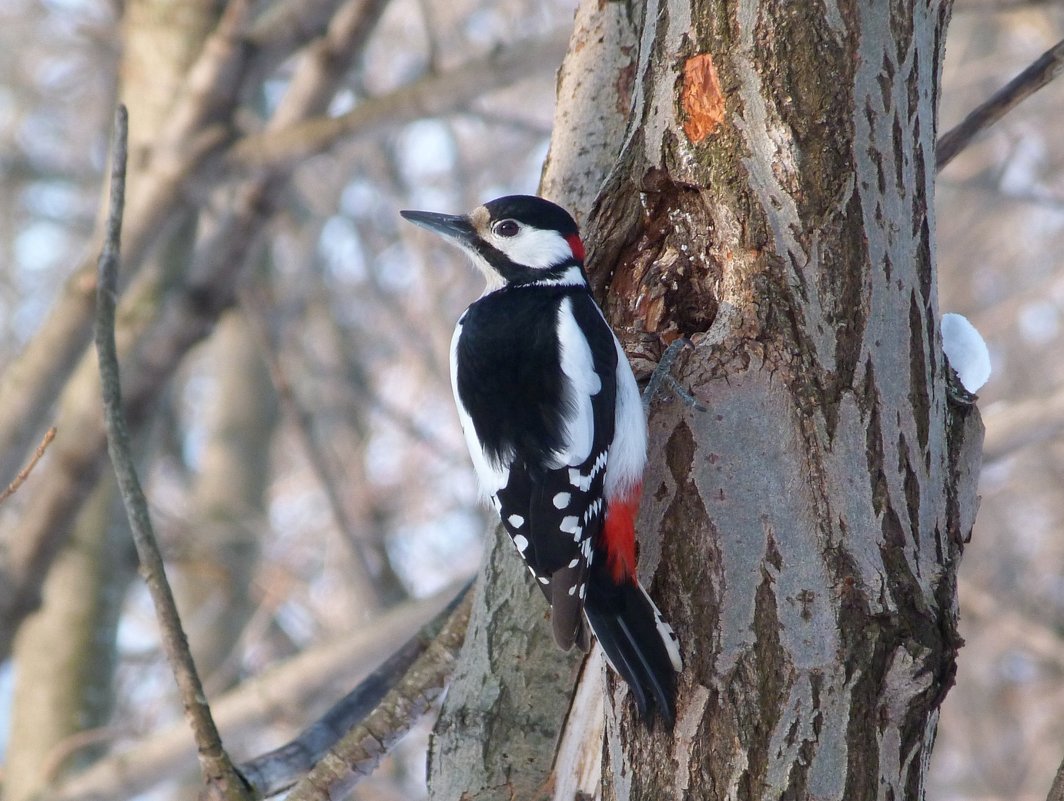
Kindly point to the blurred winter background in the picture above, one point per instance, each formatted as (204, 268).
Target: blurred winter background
(306, 469)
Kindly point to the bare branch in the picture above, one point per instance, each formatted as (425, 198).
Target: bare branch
(363, 747)
(283, 28)
(433, 95)
(216, 766)
(161, 339)
(303, 427)
(1014, 425)
(280, 769)
(24, 473)
(291, 691)
(196, 127)
(326, 61)
(1040, 73)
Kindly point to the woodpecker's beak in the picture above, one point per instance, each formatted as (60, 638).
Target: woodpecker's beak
(452, 226)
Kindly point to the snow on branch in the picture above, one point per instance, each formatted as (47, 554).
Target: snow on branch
(966, 351)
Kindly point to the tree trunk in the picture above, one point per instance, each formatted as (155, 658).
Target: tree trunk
(65, 655)
(804, 512)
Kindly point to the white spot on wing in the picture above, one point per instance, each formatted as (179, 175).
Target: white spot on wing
(521, 543)
(516, 521)
(561, 500)
(569, 523)
(579, 480)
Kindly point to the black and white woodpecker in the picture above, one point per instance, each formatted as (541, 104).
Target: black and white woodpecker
(555, 428)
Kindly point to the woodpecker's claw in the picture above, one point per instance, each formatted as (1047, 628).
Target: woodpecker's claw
(663, 373)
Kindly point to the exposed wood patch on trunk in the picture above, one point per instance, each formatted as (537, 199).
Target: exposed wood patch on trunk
(702, 98)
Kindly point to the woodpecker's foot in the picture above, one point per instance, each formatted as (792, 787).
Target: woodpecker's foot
(663, 375)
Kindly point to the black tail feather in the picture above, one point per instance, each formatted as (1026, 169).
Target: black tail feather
(627, 625)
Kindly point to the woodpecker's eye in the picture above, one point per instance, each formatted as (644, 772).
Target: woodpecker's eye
(506, 228)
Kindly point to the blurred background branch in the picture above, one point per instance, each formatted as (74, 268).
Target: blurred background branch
(1036, 76)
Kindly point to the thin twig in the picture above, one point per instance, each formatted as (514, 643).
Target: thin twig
(279, 769)
(1041, 72)
(363, 747)
(24, 473)
(218, 771)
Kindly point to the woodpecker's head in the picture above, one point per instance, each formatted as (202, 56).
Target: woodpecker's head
(518, 239)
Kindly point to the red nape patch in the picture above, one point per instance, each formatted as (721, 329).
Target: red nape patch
(619, 534)
(576, 246)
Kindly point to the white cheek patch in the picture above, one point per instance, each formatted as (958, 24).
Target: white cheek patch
(533, 247)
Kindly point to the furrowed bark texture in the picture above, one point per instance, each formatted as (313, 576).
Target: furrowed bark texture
(496, 734)
(803, 528)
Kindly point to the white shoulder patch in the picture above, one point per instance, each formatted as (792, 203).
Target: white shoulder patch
(580, 383)
(493, 476)
(628, 452)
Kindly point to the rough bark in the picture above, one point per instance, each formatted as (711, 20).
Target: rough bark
(499, 725)
(811, 517)
(803, 519)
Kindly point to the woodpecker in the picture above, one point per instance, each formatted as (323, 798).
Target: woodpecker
(554, 425)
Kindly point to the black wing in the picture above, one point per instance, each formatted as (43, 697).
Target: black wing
(520, 378)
